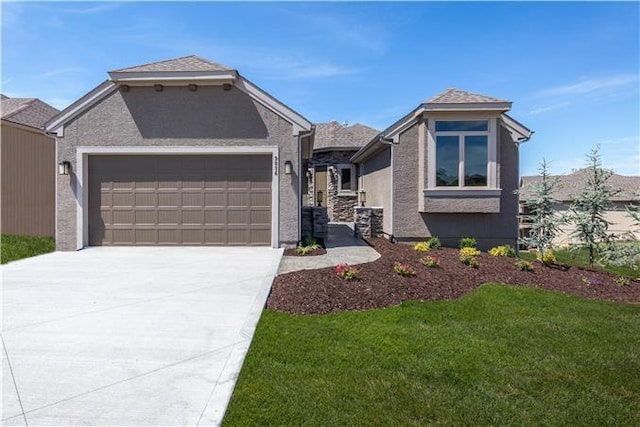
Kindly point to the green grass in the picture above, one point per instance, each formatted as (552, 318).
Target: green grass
(17, 247)
(501, 355)
(580, 258)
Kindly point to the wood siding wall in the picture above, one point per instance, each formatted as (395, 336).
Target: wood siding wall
(28, 168)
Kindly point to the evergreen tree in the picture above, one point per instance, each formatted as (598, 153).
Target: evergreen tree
(588, 209)
(545, 221)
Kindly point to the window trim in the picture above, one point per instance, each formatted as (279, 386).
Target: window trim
(354, 179)
(491, 133)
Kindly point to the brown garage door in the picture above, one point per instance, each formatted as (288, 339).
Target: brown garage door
(180, 200)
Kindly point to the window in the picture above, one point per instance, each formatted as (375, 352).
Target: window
(462, 153)
(347, 182)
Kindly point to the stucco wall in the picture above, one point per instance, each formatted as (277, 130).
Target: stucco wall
(177, 117)
(487, 229)
(376, 181)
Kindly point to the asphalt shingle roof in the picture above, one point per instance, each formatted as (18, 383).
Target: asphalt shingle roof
(185, 63)
(457, 96)
(27, 111)
(333, 134)
(570, 185)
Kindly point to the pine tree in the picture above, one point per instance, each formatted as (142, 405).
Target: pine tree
(545, 222)
(588, 209)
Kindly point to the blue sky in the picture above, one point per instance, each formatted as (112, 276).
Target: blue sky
(571, 69)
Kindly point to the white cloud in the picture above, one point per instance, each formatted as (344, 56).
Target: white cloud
(98, 8)
(60, 71)
(540, 109)
(592, 85)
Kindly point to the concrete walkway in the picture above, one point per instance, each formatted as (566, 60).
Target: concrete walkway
(341, 247)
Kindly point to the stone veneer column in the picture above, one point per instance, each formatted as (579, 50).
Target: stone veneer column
(368, 221)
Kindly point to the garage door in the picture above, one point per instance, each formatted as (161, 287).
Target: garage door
(180, 200)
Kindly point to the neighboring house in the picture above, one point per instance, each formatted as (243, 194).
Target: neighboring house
(27, 195)
(568, 187)
(179, 152)
(449, 168)
(330, 172)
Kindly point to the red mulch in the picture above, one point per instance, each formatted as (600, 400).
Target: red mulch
(322, 291)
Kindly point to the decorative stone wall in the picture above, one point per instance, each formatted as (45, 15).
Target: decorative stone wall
(368, 222)
(314, 222)
(340, 206)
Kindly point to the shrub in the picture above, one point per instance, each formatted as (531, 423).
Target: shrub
(621, 281)
(434, 242)
(403, 269)
(346, 272)
(548, 257)
(503, 251)
(524, 265)
(471, 261)
(468, 242)
(430, 261)
(308, 245)
(472, 252)
(421, 247)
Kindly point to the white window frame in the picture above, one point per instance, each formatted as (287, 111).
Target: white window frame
(354, 179)
(492, 137)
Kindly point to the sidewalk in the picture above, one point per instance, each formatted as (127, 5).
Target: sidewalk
(341, 247)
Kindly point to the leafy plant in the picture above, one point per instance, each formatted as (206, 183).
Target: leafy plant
(308, 245)
(430, 261)
(346, 272)
(621, 281)
(468, 242)
(421, 247)
(588, 210)
(503, 251)
(547, 257)
(434, 242)
(545, 221)
(471, 261)
(403, 269)
(468, 251)
(524, 265)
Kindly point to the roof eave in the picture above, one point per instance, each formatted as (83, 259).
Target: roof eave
(467, 106)
(173, 77)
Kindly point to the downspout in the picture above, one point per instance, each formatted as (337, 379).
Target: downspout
(391, 142)
(518, 143)
(310, 134)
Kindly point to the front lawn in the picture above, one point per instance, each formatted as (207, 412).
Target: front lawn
(499, 355)
(17, 247)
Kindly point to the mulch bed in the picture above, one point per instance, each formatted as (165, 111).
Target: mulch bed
(322, 291)
(315, 252)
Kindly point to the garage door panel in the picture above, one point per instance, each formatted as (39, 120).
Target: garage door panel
(174, 199)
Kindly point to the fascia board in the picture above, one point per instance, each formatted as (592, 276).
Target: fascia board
(516, 126)
(475, 106)
(81, 105)
(157, 76)
(367, 151)
(273, 104)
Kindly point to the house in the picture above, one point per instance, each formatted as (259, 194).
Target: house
(27, 194)
(331, 177)
(448, 168)
(568, 187)
(179, 152)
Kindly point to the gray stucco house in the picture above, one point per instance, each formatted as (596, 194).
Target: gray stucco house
(331, 177)
(179, 152)
(448, 168)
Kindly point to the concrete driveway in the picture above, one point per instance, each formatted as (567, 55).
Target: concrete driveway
(129, 336)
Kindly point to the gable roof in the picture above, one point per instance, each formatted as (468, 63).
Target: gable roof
(27, 111)
(570, 185)
(334, 135)
(457, 96)
(177, 72)
(185, 63)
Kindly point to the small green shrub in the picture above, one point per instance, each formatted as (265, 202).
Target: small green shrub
(503, 251)
(346, 272)
(471, 261)
(430, 261)
(548, 257)
(421, 247)
(308, 245)
(524, 265)
(434, 242)
(468, 242)
(403, 269)
(621, 281)
(310, 241)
